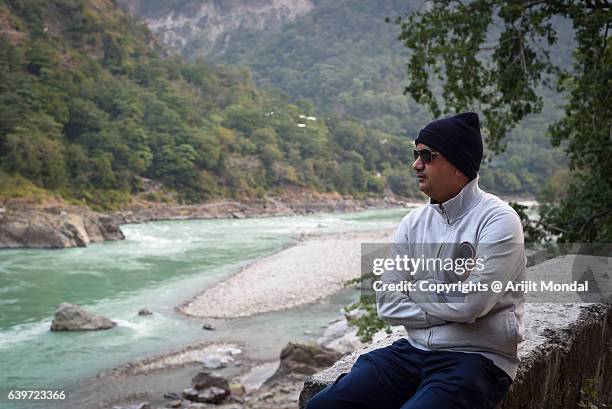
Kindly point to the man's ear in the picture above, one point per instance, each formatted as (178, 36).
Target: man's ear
(460, 175)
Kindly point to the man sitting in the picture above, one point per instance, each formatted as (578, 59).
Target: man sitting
(461, 346)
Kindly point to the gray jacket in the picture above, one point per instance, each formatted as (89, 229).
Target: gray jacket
(486, 322)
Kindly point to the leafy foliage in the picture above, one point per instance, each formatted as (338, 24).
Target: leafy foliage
(368, 322)
(589, 395)
(449, 42)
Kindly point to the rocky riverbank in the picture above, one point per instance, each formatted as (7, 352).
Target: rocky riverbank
(58, 225)
(314, 268)
(186, 378)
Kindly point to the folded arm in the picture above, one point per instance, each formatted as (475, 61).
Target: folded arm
(501, 250)
(396, 307)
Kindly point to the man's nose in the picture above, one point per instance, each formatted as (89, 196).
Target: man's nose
(418, 164)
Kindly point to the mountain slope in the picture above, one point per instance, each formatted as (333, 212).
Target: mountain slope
(342, 57)
(191, 24)
(91, 105)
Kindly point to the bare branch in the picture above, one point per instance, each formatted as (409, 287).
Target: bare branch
(523, 62)
(493, 47)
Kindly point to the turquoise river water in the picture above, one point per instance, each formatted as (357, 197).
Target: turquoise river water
(158, 266)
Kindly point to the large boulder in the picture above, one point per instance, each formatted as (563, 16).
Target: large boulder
(300, 359)
(56, 227)
(71, 317)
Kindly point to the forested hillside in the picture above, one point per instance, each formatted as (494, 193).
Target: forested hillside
(342, 57)
(91, 106)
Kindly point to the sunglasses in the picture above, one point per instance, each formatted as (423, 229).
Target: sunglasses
(425, 154)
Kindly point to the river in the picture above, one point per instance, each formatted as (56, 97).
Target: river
(158, 266)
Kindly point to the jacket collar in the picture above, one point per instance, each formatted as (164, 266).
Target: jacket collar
(454, 208)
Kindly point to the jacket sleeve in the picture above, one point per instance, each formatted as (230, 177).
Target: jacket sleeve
(501, 249)
(395, 307)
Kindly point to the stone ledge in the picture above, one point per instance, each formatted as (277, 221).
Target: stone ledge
(565, 345)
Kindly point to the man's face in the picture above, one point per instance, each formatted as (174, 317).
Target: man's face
(436, 179)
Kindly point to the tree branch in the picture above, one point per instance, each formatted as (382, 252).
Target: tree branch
(548, 226)
(598, 4)
(592, 219)
(605, 42)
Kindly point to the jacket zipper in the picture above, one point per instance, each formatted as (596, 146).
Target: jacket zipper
(438, 255)
(444, 213)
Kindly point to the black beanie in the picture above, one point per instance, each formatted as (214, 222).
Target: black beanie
(458, 139)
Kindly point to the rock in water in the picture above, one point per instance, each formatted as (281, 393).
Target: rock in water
(145, 311)
(71, 317)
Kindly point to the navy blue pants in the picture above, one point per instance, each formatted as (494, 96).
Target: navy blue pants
(403, 377)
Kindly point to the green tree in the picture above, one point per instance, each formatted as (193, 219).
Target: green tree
(349, 135)
(40, 57)
(244, 119)
(494, 54)
(343, 177)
